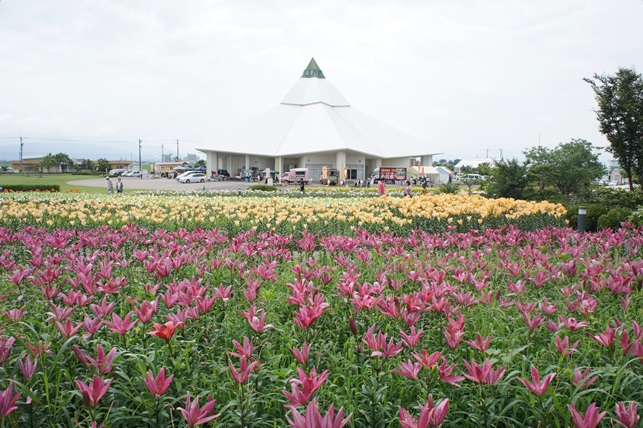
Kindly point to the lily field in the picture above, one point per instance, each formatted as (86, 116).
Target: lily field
(327, 310)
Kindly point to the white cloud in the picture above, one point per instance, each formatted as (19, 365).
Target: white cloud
(464, 76)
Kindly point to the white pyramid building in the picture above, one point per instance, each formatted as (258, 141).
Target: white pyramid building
(315, 126)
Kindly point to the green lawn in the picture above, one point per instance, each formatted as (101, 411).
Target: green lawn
(60, 179)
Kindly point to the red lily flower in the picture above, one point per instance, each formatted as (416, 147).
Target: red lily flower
(413, 338)
(480, 344)
(93, 392)
(164, 331)
(563, 346)
(583, 379)
(445, 374)
(28, 367)
(157, 385)
(195, 415)
(427, 360)
(537, 387)
(103, 363)
(5, 348)
(591, 418)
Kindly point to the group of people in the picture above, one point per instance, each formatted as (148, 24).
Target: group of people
(406, 190)
(110, 186)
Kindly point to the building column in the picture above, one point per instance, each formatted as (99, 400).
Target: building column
(340, 164)
(279, 163)
(377, 163)
(427, 160)
(212, 162)
(247, 162)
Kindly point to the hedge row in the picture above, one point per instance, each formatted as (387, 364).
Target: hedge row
(8, 188)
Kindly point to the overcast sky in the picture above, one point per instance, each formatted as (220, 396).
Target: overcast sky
(469, 78)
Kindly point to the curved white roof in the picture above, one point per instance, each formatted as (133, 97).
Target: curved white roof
(315, 117)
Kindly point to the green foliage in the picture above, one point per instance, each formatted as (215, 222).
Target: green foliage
(31, 188)
(570, 167)
(594, 212)
(508, 180)
(262, 188)
(451, 188)
(102, 165)
(60, 162)
(614, 218)
(620, 115)
(617, 198)
(199, 163)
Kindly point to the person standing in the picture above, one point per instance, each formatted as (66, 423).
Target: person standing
(110, 186)
(407, 189)
(301, 186)
(381, 189)
(119, 186)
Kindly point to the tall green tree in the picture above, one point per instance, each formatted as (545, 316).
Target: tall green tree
(620, 115)
(507, 180)
(569, 167)
(102, 164)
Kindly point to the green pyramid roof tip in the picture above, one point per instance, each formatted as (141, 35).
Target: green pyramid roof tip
(312, 70)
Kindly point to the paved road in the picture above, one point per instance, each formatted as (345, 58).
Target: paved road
(171, 184)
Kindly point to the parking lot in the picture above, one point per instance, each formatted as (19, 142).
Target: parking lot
(160, 184)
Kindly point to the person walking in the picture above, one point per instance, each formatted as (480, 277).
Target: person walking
(119, 186)
(110, 186)
(381, 189)
(301, 186)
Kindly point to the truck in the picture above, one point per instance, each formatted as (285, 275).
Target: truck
(295, 175)
(393, 174)
(332, 177)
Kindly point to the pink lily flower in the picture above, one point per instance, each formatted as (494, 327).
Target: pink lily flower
(8, 401)
(480, 344)
(563, 346)
(67, 329)
(430, 415)
(606, 338)
(157, 385)
(409, 369)
(103, 363)
(627, 417)
(256, 323)
(309, 384)
(590, 420)
(242, 351)
(28, 367)
(314, 419)
(582, 379)
(412, 338)
(93, 392)
(301, 355)
(571, 323)
(245, 369)
(427, 360)
(453, 336)
(537, 387)
(121, 325)
(445, 374)
(195, 415)
(5, 348)
(14, 315)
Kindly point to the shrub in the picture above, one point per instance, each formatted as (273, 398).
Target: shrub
(614, 218)
(451, 188)
(263, 188)
(31, 188)
(594, 212)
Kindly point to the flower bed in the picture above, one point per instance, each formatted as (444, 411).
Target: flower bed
(133, 326)
(235, 214)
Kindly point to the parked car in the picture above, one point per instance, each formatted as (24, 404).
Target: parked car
(186, 173)
(127, 174)
(117, 172)
(10, 170)
(138, 173)
(223, 172)
(197, 177)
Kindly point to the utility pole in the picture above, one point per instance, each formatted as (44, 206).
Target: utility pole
(162, 153)
(140, 164)
(22, 144)
(177, 150)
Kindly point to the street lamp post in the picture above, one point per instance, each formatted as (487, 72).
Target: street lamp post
(140, 164)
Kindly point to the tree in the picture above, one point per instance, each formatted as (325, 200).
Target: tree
(87, 165)
(620, 115)
(63, 161)
(508, 180)
(199, 163)
(102, 164)
(48, 162)
(570, 167)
